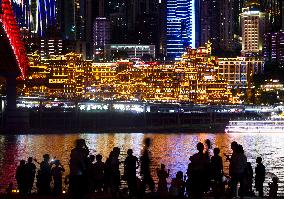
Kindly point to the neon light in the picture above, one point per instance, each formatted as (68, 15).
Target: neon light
(13, 33)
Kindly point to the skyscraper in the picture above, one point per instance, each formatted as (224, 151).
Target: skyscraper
(273, 10)
(181, 27)
(101, 36)
(273, 49)
(254, 26)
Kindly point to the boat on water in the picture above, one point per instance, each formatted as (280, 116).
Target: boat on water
(255, 126)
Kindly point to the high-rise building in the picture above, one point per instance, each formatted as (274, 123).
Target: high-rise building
(227, 41)
(254, 26)
(205, 22)
(181, 27)
(49, 47)
(273, 50)
(273, 10)
(101, 36)
(38, 16)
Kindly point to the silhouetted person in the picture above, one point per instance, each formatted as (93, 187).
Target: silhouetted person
(30, 174)
(273, 188)
(208, 147)
(238, 166)
(90, 173)
(217, 173)
(99, 168)
(130, 166)
(21, 177)
(115, 173)
(145, 160)
(44, 176)
(78, 158)
(249, 180)
(259, 176)
(162, 176)
(107, 172)
(56, 172)
(177, 186)
(199, 172)
(9, 189)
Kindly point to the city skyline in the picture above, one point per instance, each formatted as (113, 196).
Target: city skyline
(169, 25)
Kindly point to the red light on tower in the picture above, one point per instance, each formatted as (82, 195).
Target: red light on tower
(13, 33)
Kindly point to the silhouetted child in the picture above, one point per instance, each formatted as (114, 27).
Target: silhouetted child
(56, 172)
(162, 175)
(177, 186)
(259, 176)
(99, 168)
(273, 188)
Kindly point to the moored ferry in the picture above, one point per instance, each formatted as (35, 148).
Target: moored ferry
(255, 126)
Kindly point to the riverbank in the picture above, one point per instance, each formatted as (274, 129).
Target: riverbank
(111, 122)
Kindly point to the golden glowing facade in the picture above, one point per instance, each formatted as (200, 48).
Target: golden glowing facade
(239, 71)
(194, 78)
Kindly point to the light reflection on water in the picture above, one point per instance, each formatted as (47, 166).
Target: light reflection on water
(173, 150)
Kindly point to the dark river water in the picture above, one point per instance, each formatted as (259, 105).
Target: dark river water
(173, 150)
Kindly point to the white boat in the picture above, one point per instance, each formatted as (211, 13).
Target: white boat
(255, 126)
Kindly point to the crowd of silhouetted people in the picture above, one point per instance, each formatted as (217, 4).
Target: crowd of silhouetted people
(90, 175)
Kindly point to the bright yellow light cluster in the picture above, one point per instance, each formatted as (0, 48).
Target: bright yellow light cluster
(193, 79)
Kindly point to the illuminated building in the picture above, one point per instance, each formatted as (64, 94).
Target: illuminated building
(131, 51)
(194, 78)
(49, 47)
(273, 50)
(273, 9)
(201, 82)
(254, 26)
(239, 71)
(273, 85)
(180, 27)
(101, 36)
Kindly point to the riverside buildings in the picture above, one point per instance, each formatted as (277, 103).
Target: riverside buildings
(195, 78)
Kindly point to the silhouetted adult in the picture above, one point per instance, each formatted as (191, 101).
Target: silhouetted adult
(162, 176)
(99, 167)
(115, 173)
(56, 172)
(78, 158)
(44, 176)
(107, 172)
(30, 174)
(248, 180)
(216, 166)
(21, 177)
(199, 172)
(259, 176)
(90, 173)
(130, 166)
(238, 166)
(145, 160)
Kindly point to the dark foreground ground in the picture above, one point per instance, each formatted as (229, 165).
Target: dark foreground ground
(101, 196)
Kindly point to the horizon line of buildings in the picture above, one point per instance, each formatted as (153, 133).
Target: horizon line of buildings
(234, 27)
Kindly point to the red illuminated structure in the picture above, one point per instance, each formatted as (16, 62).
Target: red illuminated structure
(12, 30)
